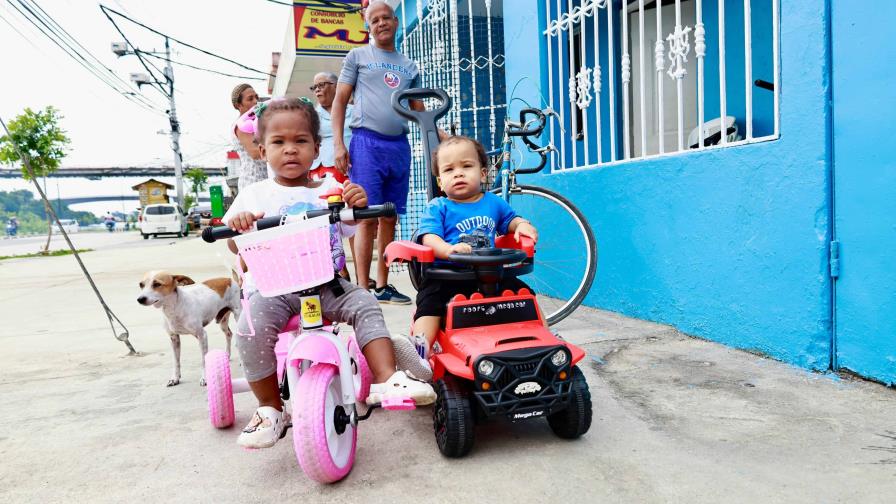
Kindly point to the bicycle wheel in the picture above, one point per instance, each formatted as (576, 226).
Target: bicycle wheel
(564, 268)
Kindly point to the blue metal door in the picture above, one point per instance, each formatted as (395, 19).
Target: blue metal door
(864, 120)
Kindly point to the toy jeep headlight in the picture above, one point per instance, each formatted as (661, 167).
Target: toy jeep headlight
(559, 358)
(486, 367)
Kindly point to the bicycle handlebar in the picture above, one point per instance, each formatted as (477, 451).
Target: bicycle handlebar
(212, 234)
(521, 130)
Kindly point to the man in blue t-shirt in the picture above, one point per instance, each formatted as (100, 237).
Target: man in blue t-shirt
(380, 157)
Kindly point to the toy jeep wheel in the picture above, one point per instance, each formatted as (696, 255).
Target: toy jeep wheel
(452, 418)
(575, 420)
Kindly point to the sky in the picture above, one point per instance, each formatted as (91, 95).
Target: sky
(105, 128)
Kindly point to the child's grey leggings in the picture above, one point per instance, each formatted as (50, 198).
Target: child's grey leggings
(356, 307)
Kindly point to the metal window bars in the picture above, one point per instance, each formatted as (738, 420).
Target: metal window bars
(581, 41)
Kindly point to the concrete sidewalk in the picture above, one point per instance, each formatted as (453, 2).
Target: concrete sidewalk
(676, 419)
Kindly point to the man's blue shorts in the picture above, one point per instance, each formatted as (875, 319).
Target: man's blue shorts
(381, 164)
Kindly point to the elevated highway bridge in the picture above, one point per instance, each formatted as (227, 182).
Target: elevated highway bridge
(91, 199)
(116, 171)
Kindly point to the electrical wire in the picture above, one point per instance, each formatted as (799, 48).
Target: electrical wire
(78, 57)
(26, 163)
(334, 6)
(73, 53)
(107, 10)
(49, 18)
(203, 69)
(156, 83)
(20, 33)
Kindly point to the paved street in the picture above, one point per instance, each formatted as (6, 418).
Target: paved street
(676, 419)
(92, 239)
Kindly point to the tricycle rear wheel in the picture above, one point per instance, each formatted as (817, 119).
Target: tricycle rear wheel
(452, 417)
(575, 420)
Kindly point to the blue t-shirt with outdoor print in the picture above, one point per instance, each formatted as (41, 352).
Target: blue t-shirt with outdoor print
(490, 216)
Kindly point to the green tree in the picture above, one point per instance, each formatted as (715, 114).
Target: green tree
(38, 137)
(189, 201)
(198, 182)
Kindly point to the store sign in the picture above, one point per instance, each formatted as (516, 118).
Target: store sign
(324, 29)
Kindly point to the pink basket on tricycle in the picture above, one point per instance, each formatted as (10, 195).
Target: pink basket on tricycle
(288, 258)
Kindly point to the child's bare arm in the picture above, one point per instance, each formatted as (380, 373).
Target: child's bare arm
(520, 226)
(443, 249)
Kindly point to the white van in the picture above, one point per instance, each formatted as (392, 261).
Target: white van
(69, 225)
(163, 218)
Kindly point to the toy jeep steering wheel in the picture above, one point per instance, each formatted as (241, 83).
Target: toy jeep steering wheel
(489, 257)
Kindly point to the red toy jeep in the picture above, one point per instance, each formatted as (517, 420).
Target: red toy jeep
(497, 356)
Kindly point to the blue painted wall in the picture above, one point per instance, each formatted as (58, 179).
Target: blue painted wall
(731, 244)
(865, 187)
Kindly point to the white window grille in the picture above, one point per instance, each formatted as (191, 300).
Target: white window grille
(598, 50)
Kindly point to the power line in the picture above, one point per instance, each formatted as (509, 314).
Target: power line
(156, 83)
(333, 5)
(73, 39)
(203, 69)
(20, 33)
(107, 10)
(73, 53)
(79, 58)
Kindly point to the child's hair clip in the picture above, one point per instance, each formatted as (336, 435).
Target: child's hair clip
(248, 122)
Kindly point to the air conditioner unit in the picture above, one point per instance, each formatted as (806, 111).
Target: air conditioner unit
(119, 48)
(140, 79)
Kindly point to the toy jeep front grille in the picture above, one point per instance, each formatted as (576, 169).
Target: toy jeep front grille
(522, 384)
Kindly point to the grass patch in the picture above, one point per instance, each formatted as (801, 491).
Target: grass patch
(49, 254)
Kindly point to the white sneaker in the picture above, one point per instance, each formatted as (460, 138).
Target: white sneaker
(401, 385)
(408, 356)
(266, 428)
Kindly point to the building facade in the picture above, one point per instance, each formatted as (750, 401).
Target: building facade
(773, 235)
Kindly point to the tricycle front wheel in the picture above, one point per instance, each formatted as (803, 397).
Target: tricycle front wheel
(324, 441)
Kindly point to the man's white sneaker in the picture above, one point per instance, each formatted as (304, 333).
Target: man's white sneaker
(266, 428)
(408, 358)
(401, 385)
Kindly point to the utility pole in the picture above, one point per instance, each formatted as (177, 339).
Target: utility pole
(121, 49)
(175, 128)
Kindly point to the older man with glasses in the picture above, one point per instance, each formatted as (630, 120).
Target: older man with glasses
(324, 89)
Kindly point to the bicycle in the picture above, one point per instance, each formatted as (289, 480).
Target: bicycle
(564, 270)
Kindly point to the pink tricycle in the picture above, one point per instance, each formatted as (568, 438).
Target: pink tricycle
(323, 375)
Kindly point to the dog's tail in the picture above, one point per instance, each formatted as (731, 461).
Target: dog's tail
(222, 314)
(231, 267)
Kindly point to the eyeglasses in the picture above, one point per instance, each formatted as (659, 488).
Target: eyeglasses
(315, 87)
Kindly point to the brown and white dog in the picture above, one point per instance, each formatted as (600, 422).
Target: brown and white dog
(189, 307)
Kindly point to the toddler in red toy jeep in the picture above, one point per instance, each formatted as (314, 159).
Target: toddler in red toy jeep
(449, 225)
